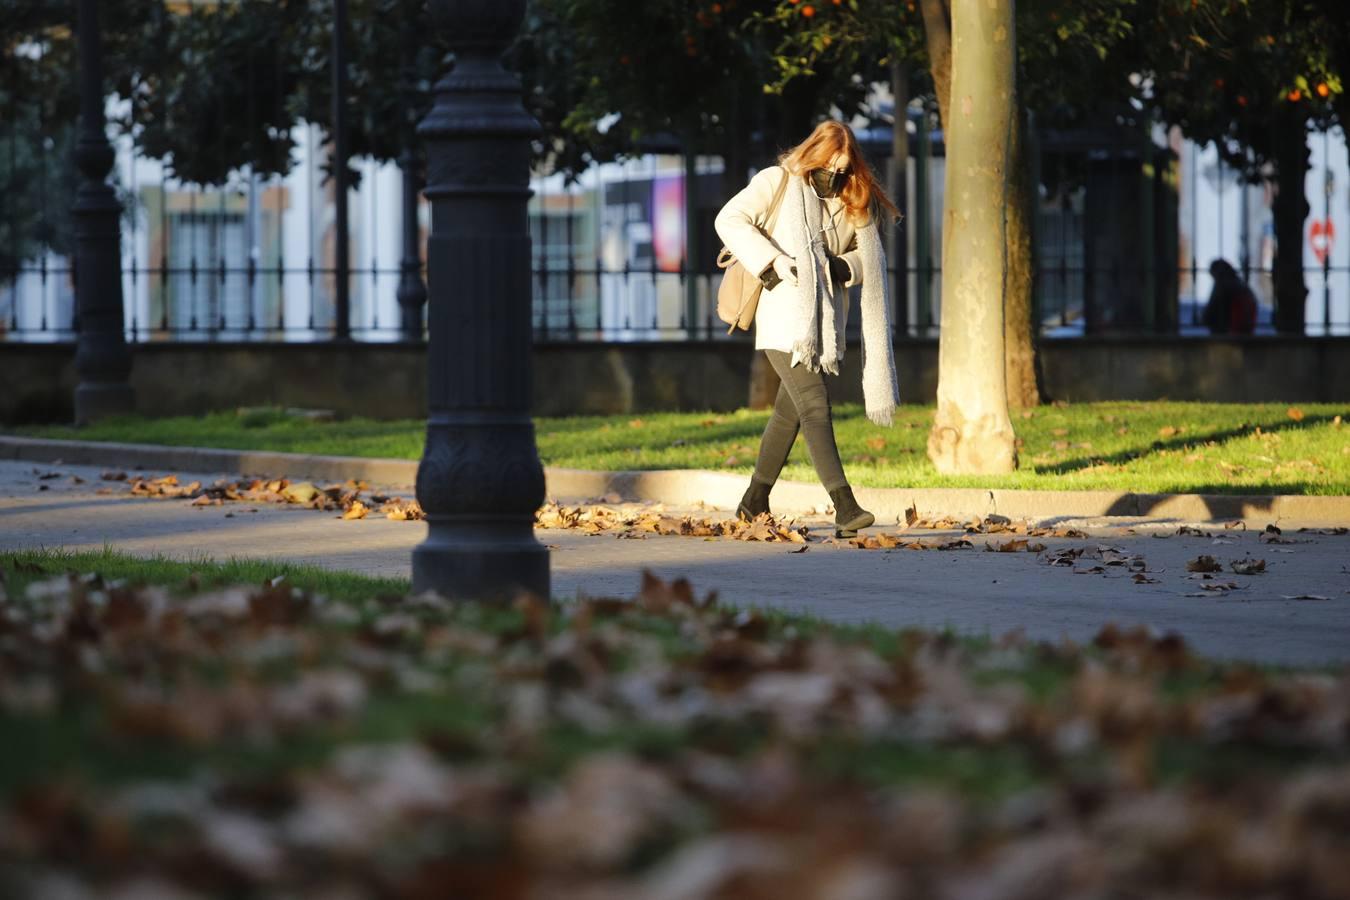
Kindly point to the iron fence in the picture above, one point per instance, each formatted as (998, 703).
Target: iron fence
(208, 298)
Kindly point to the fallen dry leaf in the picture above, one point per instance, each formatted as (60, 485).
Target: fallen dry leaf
(1204, 564)
(1217, 587)
(301, 492)
(1187, 530)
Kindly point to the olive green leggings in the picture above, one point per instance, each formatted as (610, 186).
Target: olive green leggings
(802, 404)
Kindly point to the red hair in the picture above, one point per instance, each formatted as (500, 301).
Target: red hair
(862, 194)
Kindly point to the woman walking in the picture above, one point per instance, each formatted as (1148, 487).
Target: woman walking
(823, 240)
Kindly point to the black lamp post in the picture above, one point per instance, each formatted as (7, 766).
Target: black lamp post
(102, 358)
(480, 480)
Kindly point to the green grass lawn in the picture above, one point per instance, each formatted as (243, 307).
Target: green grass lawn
(1148, 447)
(251, 729)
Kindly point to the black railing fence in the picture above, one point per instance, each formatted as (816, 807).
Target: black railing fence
(250, 261)
(255, 261)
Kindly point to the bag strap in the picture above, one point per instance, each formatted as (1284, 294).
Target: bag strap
(774, 205)
(777, 202)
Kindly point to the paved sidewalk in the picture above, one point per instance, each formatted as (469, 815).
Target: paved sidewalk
(969, 590)
(718, 489)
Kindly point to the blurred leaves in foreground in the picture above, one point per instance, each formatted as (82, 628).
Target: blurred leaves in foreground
(262, 740)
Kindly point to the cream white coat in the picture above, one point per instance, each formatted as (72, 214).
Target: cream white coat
(740, 225)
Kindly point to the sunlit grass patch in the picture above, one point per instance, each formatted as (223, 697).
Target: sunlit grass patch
(1151, 447)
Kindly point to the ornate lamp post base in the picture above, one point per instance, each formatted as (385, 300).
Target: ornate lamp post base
(473, 561)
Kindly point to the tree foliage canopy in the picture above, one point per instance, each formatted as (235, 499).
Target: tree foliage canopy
(218, 88)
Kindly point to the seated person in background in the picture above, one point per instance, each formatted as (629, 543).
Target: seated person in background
(1232, 305)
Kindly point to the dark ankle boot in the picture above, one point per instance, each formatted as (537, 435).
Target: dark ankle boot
(755, 502)
(848, 515)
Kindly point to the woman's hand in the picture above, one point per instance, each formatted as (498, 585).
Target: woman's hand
(840, 272)
(786, 268)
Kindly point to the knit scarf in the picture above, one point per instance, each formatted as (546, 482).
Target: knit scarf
(819, 317)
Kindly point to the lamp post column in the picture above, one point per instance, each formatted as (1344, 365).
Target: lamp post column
(480, 480)
(102, 358)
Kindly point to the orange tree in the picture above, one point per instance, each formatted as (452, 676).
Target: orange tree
(1253, 76)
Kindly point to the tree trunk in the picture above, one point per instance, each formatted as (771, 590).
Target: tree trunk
(1020, 355)
(937, 35)
(972, 433)
(1019, 330)
(1290, 209)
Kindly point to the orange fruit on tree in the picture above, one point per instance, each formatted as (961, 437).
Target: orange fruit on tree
(1322, 89)
(808, 10)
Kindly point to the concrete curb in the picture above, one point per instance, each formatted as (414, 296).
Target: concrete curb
(209, 459)
(720, 490)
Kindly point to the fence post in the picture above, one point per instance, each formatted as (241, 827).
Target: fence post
(480, 480)
(102, 358)
(691, 237)
(412, 291)
(342, 328)
(897, 178)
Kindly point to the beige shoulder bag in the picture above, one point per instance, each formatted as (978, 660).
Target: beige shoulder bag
(738, 294)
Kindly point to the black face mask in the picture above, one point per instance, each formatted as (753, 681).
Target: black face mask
(827, 183)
